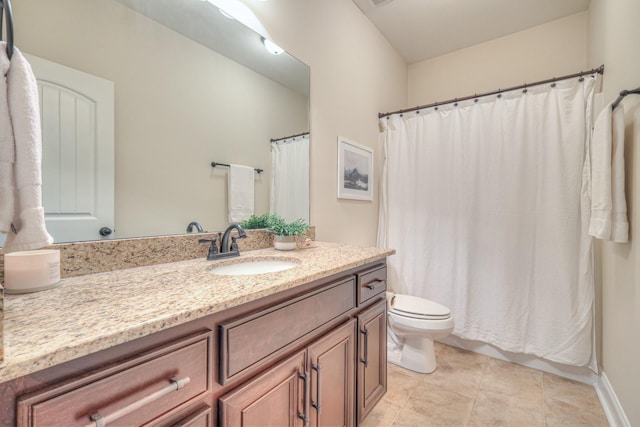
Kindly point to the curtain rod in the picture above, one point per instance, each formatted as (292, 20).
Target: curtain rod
(287, 137)
(623, 94)
(599, 70)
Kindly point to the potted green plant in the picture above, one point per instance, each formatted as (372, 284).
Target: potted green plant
(286, 232)
(256, 222)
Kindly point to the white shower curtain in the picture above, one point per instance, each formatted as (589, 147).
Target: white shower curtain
(290, 178)
(482, 203)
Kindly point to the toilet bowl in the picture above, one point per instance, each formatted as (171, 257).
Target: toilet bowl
(413, 324)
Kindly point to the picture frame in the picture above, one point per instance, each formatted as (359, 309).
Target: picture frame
(355, 170)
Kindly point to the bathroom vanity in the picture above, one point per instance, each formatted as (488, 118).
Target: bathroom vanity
(306, 346)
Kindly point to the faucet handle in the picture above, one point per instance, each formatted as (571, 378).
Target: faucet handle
(234, 244)
(213, 249)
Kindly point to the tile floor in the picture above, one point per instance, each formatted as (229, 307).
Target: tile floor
(470, 389)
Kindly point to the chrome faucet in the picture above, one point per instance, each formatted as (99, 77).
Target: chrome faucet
(226, 250)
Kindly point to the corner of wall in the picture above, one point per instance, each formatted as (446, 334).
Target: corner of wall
(610, 403)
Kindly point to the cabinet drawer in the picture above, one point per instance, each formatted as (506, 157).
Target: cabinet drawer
(371, 283)
(135, 392)
(250, 339)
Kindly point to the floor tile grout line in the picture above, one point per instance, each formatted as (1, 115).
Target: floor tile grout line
(422, 379)
(395, 417)
(475, 398)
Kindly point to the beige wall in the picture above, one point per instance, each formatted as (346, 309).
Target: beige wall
(553, 49)
(179, 106)
(614, 34)
(354, 75)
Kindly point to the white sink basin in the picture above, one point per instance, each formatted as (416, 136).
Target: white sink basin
(251, 267)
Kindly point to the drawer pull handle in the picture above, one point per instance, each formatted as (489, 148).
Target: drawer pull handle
(365, 360)
(317, 404)
(373, 284)
(100, 421)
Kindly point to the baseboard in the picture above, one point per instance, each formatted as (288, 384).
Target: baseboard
(610, 403)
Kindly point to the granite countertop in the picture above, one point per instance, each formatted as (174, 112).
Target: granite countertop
(89, 313)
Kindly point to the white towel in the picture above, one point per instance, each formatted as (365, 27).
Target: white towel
(608, 203)
(7, 148)
(27, 217)
(241, 189)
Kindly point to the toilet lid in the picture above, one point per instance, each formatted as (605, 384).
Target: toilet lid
(414, 306)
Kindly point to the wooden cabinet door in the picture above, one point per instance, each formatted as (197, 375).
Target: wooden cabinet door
(275, 398)
(332, 360)
(372, 358)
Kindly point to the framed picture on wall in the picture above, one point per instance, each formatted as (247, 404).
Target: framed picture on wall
(355, 170)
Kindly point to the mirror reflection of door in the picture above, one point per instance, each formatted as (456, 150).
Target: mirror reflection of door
(77, 114)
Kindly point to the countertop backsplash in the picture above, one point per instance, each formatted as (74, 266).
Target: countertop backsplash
(78, 259)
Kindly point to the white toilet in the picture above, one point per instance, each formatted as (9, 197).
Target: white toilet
(413, 325)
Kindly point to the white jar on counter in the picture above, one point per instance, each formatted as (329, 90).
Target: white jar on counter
(31, 271)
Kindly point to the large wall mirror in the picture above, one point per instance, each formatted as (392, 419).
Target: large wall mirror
(190, 87)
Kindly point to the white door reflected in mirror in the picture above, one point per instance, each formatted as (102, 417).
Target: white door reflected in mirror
(77, 114)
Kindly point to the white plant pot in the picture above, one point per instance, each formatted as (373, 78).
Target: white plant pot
(284, 243)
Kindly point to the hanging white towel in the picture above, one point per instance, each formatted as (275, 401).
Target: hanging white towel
(241, 190)
(7, 148)
(28, 230)
(608, 203)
